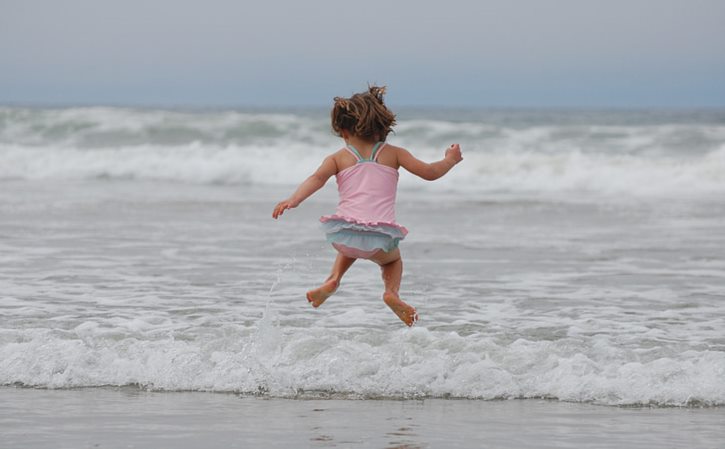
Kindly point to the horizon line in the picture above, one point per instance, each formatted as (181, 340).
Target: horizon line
(313, 106)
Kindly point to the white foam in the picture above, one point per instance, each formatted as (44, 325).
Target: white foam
(400, 364)
(192, 163)
(284, 148)
(576, 171)
(481, 172)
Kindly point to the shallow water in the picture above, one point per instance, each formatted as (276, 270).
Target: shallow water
(573, 255)
(175, 286)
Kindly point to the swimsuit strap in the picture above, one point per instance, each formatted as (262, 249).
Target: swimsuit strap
(377, 150)
(354, 152)
(373, 153)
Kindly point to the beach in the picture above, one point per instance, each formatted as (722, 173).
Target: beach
(569, 276)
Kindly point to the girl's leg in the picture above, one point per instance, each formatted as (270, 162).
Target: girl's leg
(317, 296)
(391, 265)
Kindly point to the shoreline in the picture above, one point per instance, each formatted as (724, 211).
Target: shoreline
(352, 397)
(131, 417)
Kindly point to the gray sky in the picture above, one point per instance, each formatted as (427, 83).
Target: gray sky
(621, 53)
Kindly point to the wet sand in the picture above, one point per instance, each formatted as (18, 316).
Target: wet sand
(132, 418)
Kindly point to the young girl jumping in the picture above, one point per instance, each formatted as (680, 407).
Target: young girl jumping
(364, 227)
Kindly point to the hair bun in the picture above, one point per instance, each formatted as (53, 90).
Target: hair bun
(363, 115)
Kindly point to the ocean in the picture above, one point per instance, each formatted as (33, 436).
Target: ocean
(574, 257)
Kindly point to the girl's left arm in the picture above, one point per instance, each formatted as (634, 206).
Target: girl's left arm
(308, 187)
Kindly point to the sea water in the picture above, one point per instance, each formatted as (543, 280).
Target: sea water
(572, 255)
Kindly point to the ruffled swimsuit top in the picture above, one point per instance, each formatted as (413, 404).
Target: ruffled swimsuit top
(367, 199)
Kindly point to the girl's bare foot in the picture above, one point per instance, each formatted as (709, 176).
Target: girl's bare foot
(317, 296)
(405, 311)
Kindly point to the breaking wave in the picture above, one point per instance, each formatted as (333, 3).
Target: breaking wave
(234, 147)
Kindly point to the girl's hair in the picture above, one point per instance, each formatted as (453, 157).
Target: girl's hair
(363, 115)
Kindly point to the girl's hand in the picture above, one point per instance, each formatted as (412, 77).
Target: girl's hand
(283, 206)
(453, 153)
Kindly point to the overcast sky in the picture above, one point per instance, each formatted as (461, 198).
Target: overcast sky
(615, 53)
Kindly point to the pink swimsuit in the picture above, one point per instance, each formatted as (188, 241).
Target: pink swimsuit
(364, 222)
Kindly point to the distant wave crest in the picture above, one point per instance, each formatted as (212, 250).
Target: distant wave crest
(231, 147)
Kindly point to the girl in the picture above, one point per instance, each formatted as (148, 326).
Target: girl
(366, 169)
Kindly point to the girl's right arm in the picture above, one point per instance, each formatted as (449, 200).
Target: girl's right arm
(430, 171)
(308, 187)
